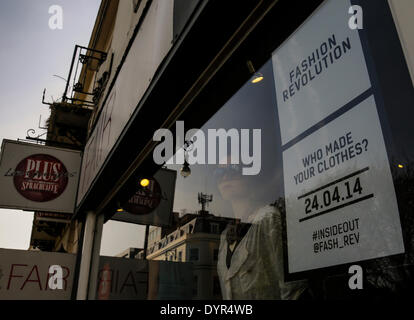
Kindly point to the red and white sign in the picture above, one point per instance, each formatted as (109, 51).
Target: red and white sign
(39, 178)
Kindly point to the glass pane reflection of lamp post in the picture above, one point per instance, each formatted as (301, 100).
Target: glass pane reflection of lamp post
(185, 171)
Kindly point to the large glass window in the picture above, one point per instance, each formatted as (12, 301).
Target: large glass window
(308, 171)
(251, 246)
(236, 195)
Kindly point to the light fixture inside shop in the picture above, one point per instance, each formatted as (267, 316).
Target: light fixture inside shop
(257, 76)
(400, 166)
(144, 183)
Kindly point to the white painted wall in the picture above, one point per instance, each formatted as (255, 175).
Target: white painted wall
(148, 50)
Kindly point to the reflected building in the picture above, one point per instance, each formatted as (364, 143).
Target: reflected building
(192, 238)
(129, 253)
(321, 82)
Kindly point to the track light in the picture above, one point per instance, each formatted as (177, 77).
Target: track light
(257, 76)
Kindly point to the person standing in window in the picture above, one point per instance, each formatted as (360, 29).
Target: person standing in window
(250, 259)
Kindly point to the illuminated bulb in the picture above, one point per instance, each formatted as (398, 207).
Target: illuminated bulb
(119, 210)
(257, 77)
(400, 166)
(144, 182)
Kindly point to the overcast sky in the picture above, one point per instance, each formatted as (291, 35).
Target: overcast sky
(31, 54)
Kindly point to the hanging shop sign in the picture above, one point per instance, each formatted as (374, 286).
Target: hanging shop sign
(340, 200)
(152, 204)
(39, 178)
(146, 199)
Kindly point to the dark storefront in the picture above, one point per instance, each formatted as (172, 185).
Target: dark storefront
(313, 162)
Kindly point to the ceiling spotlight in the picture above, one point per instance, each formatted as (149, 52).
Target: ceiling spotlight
(257, 76)
(185, 170)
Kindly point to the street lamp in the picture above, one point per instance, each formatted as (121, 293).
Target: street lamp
(185, 170)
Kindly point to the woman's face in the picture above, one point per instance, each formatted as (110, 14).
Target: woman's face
(230, 181)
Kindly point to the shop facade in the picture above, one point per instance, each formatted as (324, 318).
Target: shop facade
(313, 161)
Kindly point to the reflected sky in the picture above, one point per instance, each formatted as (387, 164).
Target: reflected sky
(237, 195)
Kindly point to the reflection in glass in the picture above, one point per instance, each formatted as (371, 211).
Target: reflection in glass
(250, 257)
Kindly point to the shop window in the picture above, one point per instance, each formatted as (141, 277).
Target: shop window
(328, 160)
(194, 254)
(214, 228)
(238, 198)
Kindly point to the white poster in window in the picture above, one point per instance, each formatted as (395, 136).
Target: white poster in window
(340, 199)
(319, 69)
